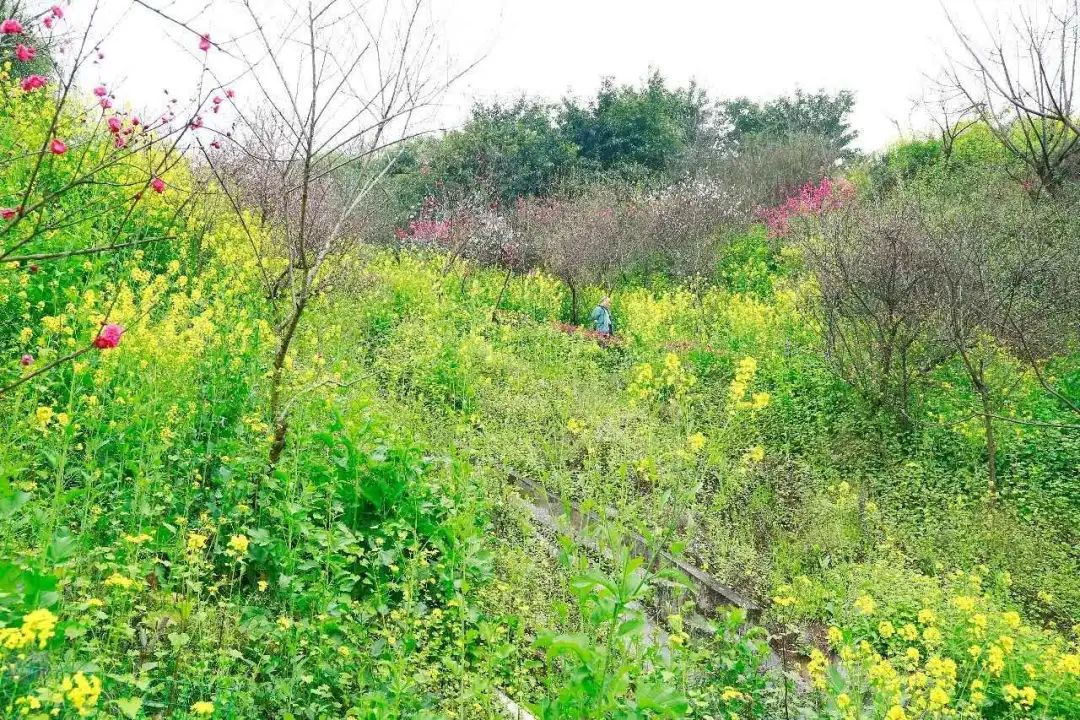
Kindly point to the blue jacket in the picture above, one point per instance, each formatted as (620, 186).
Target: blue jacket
(601, 320)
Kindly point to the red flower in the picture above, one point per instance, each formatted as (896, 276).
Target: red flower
(204, 42)
(109, 337)
(101, 91)
(24, 53)
(115, 124)
(57, 12)
(57, 146)
(135, 121)
(158, 184)
(27, 359)
(11, 26)
(8, 213)
(33, 82)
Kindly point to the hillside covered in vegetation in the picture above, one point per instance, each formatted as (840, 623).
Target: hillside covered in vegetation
(302, 420)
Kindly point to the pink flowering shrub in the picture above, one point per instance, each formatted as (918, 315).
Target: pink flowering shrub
(811, 200)
(425, 231)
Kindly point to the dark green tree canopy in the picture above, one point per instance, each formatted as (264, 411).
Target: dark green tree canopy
(819, 114)
(635, 130)
(511, 150)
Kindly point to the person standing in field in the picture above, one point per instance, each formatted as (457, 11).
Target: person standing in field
(601, 318)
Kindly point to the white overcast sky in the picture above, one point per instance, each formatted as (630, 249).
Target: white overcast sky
(880, 49)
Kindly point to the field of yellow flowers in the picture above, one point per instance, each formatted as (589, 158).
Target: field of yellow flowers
(154, 565)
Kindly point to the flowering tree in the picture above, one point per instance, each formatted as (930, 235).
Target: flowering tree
(811, 200)
(79, 157)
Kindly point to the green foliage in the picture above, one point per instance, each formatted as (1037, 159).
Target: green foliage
(634, 132)
(503, 152)
(389, 570)
(819, 114)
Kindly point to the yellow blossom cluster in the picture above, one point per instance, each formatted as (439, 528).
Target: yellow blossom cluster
(37, 627)
(951, 661)
(671, 382)
(739, 395)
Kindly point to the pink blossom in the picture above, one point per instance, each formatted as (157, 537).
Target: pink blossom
(204, 42)
(57, 12)
(47, 22)
(426, 230)
(158, 184)
(101, 91)
(811, 200)
(33, 82)
(109, 336)
(115, 124)
(11, 26)
(217, 99)
(119, 142)
(8, 213)
(58, 146)
(27, 359)
(135, 121)
(230, 93)
(197, 122)
(24, 53)
(105, 103)
(216, 145)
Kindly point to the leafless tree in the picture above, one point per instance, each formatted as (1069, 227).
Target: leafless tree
(1022, 86)
(913, 280)
(952, 115)
(341, 85)
(875, 275)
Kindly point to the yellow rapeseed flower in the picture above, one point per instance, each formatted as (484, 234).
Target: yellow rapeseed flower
(239, 544)
(195, 541)
(120, 581)
(865, 605)
(202, 708)
(82, 692)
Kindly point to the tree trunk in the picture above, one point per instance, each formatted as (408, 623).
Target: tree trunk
(573, 303)
(502, 294)
(991, 441)
(278, 416)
